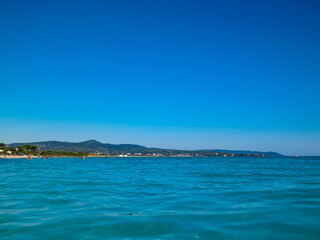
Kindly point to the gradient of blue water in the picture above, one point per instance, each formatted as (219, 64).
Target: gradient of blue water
(160, 198)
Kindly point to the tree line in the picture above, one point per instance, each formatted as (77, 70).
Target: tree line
(34, 150)
(25, 149)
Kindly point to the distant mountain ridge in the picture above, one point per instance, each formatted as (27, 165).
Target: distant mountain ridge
(243, 152)
(94, 146)
(91, 146)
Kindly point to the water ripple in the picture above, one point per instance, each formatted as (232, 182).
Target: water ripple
(160, 198)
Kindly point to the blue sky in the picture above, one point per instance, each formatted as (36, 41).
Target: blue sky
(179, 74)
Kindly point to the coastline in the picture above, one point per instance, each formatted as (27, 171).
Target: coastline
(108, 156)
(18, 157)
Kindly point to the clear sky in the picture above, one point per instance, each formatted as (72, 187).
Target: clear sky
(175, 74)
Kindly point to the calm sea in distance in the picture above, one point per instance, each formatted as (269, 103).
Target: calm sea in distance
(160, 198)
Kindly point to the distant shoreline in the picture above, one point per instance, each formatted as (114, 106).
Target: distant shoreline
(38, 157)
(94, 147)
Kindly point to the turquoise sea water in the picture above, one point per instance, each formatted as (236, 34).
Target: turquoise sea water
(160, 198)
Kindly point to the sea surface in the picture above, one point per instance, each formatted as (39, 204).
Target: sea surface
(160, 198)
